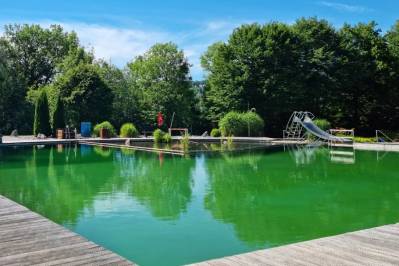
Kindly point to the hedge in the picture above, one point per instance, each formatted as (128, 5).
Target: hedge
(241, 124)
(255, 123)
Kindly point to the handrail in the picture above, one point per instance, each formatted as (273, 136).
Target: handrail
(383, 134)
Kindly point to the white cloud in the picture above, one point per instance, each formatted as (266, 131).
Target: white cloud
(220, 26)
(121, 45)
(345, 7)
(197, 41)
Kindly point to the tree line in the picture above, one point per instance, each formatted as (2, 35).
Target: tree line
(349, 76)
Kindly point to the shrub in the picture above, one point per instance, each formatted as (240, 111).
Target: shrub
(128, 130)
(41, 122)
(240, 124)
(215, 132)
(185, 141)
(158, 135)
(322, 124)
(233, 124)
(167, 138)
(105, 124)
(255, 124)
(364, 139)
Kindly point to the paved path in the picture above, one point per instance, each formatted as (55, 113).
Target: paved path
(375, 246)
(26, 238)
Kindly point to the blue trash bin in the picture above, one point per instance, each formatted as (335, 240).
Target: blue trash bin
(85, 129)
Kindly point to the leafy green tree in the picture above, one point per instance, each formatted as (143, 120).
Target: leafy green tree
(58, 115)
(364, 75)
(392, 38)
(125, 105)
(199, 108)
(253, 69)
(33, 54)
(42, 116)
(85, 94)
(162, 81)
(12, 97)
(36, 51)
(392, 94)
(348, 76)
(318, 65)
(75, 57)
(207, 59)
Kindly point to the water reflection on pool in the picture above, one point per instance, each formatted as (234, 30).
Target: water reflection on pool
(156, 208)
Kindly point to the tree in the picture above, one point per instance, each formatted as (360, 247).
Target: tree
(364, 76)
(12, 97)
(125, 105)
(58, 115)
(85, 94)
(36, 51)
(199, 109)
(42, 117)
(392, 38)
(161, 79)
(392, 94)
(207, 59)
(255, 68)
(33, 54)
(348, 76)
(318, 66)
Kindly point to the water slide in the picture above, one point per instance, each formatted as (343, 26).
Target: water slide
(308, 124)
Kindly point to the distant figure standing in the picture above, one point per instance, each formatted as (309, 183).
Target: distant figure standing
(160, 119)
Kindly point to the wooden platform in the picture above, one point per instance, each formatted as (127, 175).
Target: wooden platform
(26, 238)
(375, 246)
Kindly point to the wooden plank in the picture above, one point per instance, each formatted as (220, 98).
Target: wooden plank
(375, 246)
(26, 238)
(149, 149)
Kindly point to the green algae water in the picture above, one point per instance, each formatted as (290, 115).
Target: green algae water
(159, 209)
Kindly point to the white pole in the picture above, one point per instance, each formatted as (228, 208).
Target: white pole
(171, 122)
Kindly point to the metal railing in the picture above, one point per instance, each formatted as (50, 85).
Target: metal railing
(383, 137)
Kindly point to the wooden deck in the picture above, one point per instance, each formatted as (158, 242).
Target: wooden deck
(26, 238)
(375, 246)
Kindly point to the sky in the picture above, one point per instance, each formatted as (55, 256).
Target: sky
(119, 30)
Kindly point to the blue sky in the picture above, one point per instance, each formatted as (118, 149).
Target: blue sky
(119, 30)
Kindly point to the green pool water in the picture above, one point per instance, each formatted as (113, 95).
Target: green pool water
(171, 210)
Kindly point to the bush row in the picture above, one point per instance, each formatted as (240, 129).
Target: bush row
(127, 130)
(232, 124)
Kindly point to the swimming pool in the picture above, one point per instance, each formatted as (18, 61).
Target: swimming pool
(164, 209)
